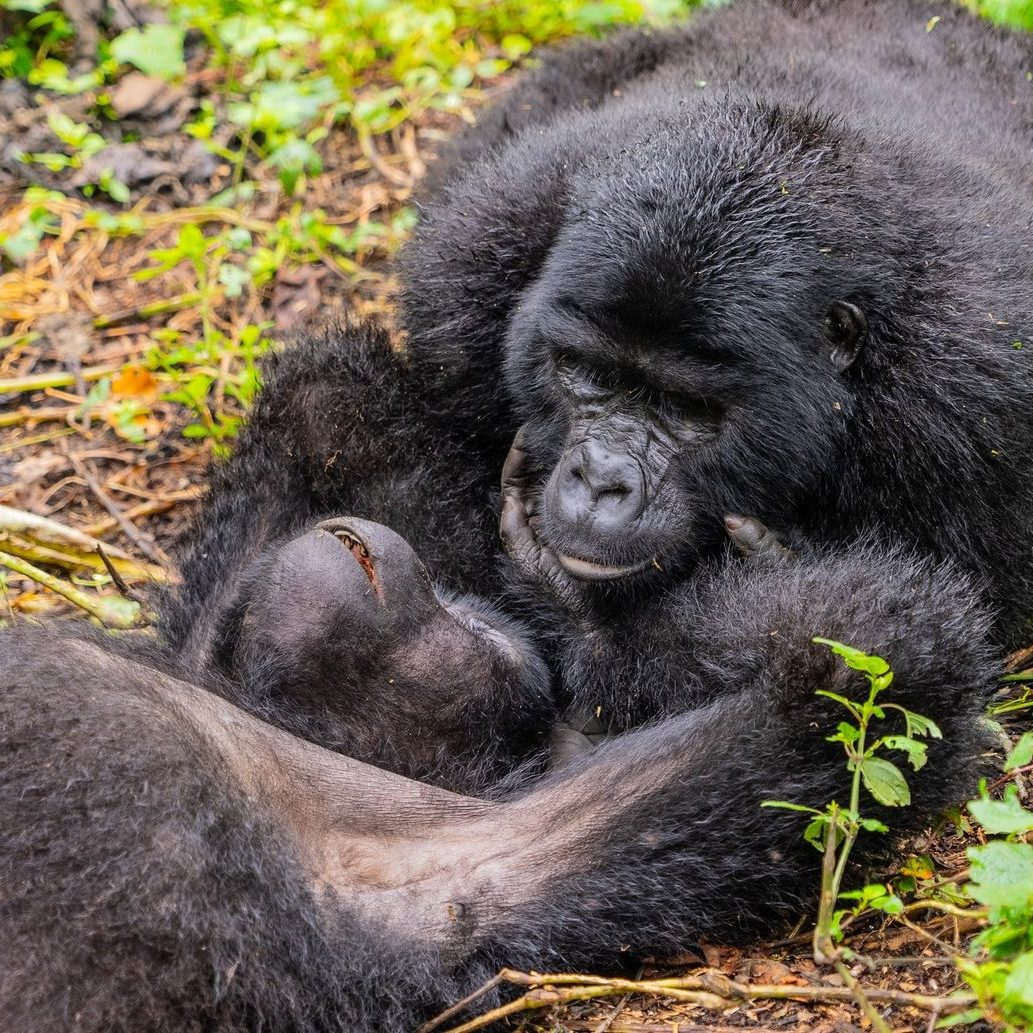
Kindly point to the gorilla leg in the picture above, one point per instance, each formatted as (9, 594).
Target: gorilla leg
(171, 861)
(150, 881)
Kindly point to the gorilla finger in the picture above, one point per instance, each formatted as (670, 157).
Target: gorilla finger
(517, 537)
(756, 541)
(513, 467)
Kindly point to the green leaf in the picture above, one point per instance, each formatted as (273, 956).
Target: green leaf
(866, 894)
(1018, 987)
(873, 825)
(783, 805)
(19, 246)
(855, 659)
(817, 830)
(885, 782)
(916, 751)
(1003, 817)
(1022, 754)
(192, 241)
(154, 49)
(846, 733)
(961, 1018)
(285, 104)
(842, 700)
(917, 724)
(1002, 875)
(234, 279)
(29, 6)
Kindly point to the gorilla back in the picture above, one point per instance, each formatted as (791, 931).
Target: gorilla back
(778, 262)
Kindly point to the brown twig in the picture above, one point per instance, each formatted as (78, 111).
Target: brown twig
(709, 989)
(113, 573)
(111, 611)
(148, 548)
(150, 507)
(459, 1006)
(39, 381)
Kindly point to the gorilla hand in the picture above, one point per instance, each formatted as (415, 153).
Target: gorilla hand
(757, 542)
(517, 527)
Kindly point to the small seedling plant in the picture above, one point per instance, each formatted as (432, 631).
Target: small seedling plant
(835, 829)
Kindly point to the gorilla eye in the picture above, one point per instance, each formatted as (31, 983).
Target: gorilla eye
(845, 329)
(581, 380)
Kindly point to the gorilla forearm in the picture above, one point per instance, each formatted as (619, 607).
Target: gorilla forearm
(736, 623)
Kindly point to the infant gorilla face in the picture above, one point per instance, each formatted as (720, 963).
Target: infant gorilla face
(349, 604)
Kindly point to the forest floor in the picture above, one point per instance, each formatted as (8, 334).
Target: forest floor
(130, 321)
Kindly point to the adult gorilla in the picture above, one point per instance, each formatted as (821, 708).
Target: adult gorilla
(776, 263)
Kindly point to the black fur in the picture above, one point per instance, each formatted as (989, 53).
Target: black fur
(271, 612)
(149, 884)
(712, 190)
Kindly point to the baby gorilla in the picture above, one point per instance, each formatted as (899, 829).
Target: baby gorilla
(339, 636)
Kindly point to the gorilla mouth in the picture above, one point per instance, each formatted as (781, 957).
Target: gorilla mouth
(587, 570)
(357, 547)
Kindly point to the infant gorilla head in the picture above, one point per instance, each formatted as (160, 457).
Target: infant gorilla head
(339, 634)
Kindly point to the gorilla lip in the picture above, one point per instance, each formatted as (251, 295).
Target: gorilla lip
(586, 570)
(358, 549)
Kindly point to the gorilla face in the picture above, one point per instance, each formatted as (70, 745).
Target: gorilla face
(673, 366)
(347, 612)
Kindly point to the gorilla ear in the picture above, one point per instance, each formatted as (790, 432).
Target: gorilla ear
(845, 330)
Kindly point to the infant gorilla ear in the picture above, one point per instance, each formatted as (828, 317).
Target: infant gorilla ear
(339, 635)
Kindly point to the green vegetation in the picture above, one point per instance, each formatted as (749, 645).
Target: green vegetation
(835, 829)
(1018, 13)
(284, 89)
(1000, 969)
(999, 965)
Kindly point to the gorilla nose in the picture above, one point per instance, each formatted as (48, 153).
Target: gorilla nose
(601, 487)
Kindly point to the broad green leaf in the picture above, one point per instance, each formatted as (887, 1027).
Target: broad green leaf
(1022, 754)
(155, 49)
(917, 724)
(855, 658)
(816, 831)
(885, 782)
(916, 751)
(1002, 875)
(1002, 817)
